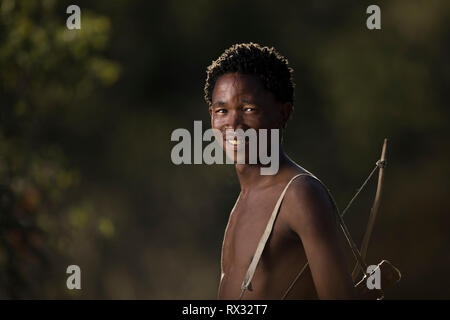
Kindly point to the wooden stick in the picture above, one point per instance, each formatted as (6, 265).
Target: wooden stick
(375, 207)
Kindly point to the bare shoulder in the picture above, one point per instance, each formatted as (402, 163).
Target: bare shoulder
(308, 204)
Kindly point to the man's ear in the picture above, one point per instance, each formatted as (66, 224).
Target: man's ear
(286, 111)
(210, 111)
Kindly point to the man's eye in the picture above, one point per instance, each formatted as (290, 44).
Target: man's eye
(249, 109)
(221, 111)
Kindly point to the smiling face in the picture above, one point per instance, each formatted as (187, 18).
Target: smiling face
(240, 101)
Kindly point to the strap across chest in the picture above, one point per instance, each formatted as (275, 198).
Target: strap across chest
(246, 284)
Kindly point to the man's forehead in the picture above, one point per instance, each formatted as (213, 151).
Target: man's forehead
(235, 85)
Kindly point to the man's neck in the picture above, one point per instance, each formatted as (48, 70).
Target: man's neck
(250, 176)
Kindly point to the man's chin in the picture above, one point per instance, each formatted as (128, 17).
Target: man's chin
(236, 157)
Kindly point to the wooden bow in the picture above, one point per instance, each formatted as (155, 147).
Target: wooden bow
(390, 274)
(381, 164)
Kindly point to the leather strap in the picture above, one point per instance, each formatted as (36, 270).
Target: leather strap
(246, 284)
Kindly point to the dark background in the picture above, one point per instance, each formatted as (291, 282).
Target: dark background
(86, 117)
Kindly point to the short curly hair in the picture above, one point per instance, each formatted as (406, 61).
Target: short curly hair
(253, 59)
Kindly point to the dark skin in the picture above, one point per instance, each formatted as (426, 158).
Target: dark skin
(305, 229)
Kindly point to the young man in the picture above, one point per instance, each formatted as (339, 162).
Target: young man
(251, 87)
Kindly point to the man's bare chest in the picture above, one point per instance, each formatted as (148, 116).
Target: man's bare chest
(246, 226)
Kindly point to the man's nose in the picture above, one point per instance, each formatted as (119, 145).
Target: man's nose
(235, 120)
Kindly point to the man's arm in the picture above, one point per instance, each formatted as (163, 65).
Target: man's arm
(311, 215)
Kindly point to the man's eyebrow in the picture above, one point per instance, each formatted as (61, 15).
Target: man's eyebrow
(250, 102)
(218, 103)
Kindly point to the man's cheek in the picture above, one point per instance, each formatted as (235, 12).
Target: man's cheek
(215, 122)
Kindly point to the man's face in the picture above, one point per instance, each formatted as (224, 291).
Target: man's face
(240, 101)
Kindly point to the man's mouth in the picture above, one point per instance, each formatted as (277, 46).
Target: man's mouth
(235, 142)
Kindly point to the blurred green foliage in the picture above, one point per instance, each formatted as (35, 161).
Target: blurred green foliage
(45, 70)
(86, 117)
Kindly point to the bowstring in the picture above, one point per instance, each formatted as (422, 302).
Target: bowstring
(359, 190)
